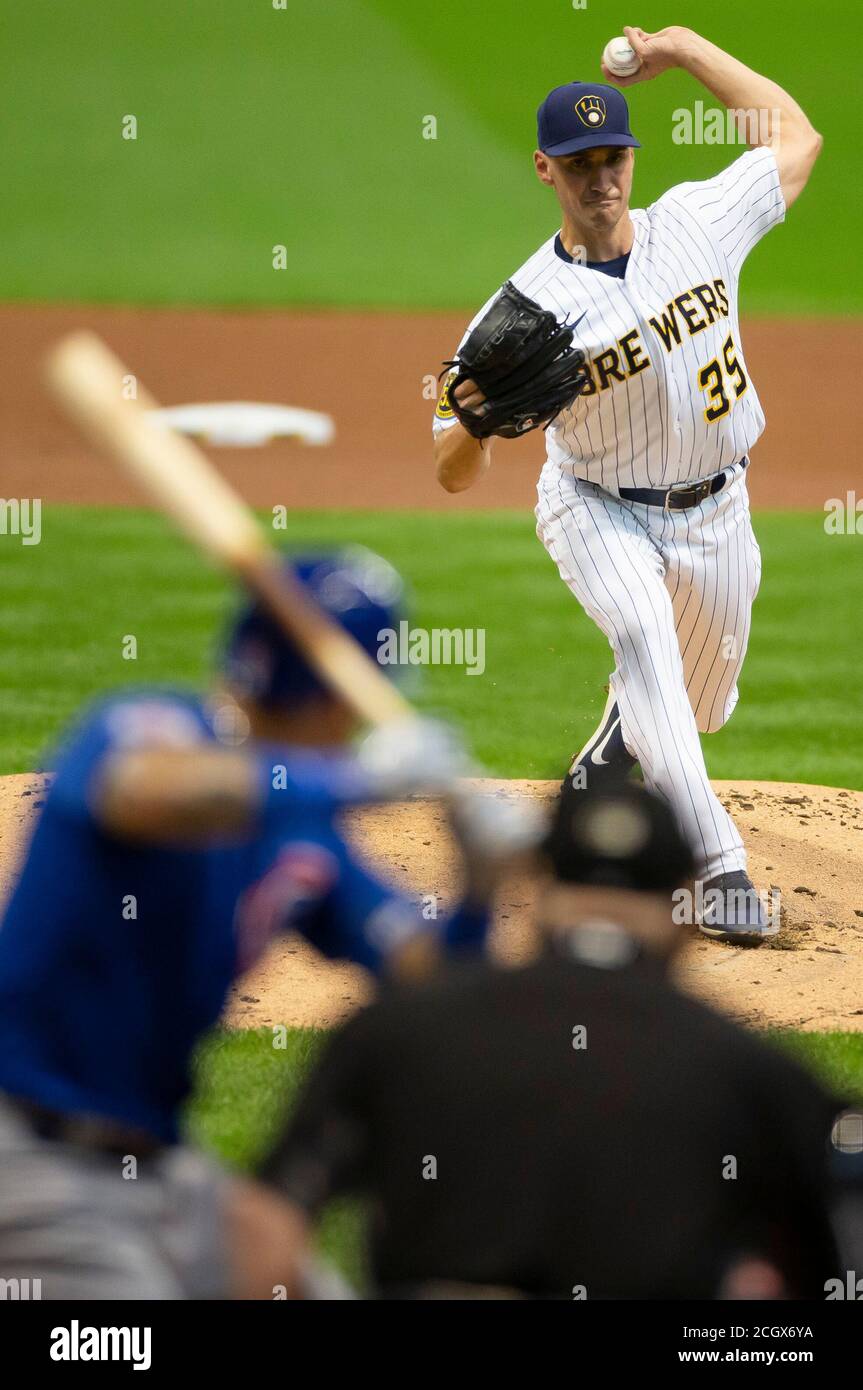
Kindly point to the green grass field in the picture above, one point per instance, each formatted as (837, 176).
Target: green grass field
(303, 127)
(246, 1086)
(101, 574)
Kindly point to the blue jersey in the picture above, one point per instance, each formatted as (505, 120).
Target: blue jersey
(116, 956)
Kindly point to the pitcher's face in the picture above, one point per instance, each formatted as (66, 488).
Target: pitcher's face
(593, 186)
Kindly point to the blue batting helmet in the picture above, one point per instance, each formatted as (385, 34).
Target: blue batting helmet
(358, 589)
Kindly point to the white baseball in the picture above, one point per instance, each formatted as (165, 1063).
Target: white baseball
(620, 57)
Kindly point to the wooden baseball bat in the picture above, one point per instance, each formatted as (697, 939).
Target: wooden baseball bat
(110, 407)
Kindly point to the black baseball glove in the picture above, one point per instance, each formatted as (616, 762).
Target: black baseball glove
(524, 363)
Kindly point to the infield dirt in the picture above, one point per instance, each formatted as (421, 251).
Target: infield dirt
(806, 841)
(375, 373)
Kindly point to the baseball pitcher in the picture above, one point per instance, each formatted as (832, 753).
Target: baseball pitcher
(621, 336)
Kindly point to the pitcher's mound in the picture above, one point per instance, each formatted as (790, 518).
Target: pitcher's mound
(805, 841)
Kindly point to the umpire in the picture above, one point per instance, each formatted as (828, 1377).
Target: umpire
(576, 1128)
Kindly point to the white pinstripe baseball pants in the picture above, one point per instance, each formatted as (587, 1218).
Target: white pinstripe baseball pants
(672, 591)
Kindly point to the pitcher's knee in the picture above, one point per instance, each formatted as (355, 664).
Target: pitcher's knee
(651, 638)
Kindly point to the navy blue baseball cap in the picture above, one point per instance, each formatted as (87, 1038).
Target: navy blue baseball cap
(582, 115)
(358, 589)
(623, 836)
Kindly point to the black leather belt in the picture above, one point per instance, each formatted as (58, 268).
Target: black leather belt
(86, 1131)
(682, 495)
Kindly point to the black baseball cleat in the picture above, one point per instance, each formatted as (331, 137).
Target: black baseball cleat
(604, 758)
(732, 910)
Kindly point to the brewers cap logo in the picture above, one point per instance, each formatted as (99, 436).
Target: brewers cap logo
(444, 409)
(591, 111)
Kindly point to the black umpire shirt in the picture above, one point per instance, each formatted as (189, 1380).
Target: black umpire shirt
(567, 1129)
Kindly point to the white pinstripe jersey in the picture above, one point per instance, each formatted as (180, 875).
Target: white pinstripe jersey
(670, 398)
